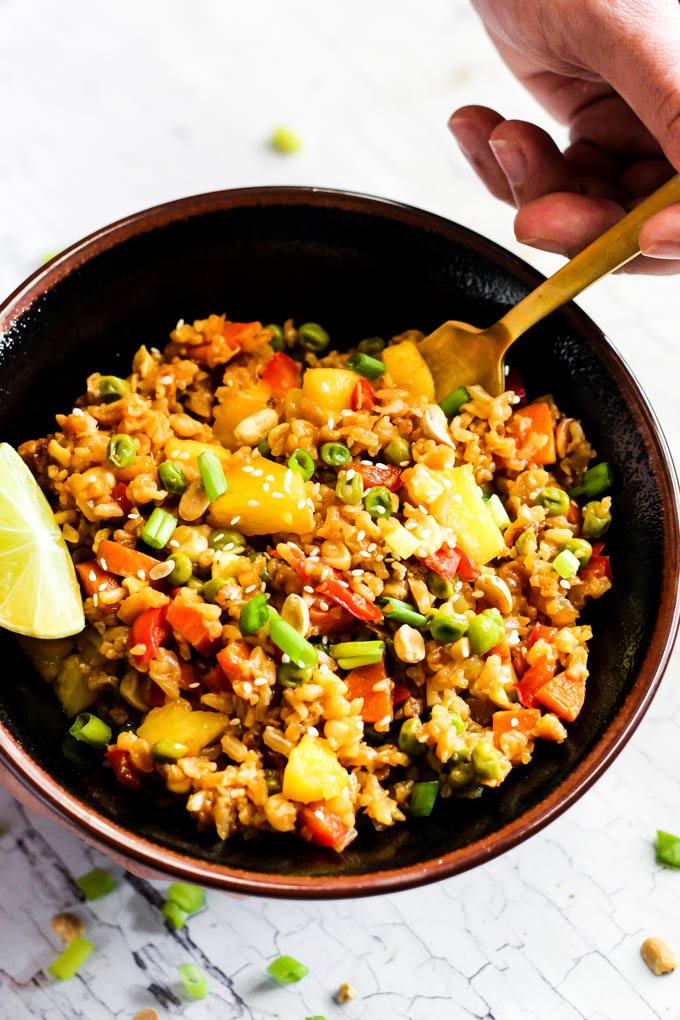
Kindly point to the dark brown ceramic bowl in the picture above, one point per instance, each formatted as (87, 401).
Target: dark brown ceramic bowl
(361, 266)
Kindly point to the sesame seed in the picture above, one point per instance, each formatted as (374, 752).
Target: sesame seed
(95, 599)
(258, 472)
(134, 516)
(331, 423)
(141, 575)
(308, 588)
(194, 684)
(166, 379)
(361, 535)
(102, 586)
(270, 478)
(253, 502)
(260, 681)
(103, 563)
(92, 576)
(514, 722)
(251, 587)
(236, 519)
(77, 411)
(277, 495)
(349, 475)
(285, 657)
(422, 508)
(301, 504)
(323, 605)
(174, 543)
(248, 469)
(265, 487)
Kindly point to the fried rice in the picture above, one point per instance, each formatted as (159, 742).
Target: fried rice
(360, 605)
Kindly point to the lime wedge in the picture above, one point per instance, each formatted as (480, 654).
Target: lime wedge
(39, 593)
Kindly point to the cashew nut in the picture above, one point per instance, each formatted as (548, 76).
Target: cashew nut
(256, 427)
(435, 425)
(495, 591)
(295, 612)
(409, 645)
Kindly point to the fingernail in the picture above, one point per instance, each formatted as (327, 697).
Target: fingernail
(511, 160)
(544, 244)
(663, 250)
(467, 134)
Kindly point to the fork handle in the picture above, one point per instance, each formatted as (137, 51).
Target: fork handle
(606, 253)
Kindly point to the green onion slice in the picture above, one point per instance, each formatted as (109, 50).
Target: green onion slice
(72, 959)
(254, 615)
(189, 897)
(92, 730)
(286, 638)
(96, 883)
(159, 528)
(212, 475)
(193, 980)
(401, 612)
(287, 970)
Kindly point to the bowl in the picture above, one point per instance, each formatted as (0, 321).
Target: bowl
(362, 266)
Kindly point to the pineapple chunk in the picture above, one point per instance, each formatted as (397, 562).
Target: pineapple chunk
(239, 404)
(313, 772)
(177, 722)
(330, 389)
(185, 452)
(408, 369)
(277, 499)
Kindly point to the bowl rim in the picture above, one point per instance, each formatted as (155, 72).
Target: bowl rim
(115, 839)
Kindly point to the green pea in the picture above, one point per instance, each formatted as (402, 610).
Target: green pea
(461, 775)
(452, 403)
(226, 539)
(181, 572)
(485, 761)
(349, 490)
(277, 342)
(313, 337)
(408, 738)
(438, 586)
(459, 755)
(172, 477)
(378, 502)
(112, 388)
(526, 542)
(371, 345)
(168, 750)
(335, 454)
(273, 781)
(485, 631)
(290, 675)
(448, 627)
(596, 520)
(581, 549)
(213, 587)
(555, 501)
(195, 583)
(121, 451)
(398, 452)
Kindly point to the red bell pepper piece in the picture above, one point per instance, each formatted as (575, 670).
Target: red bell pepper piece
(322, 826)
(564, 695)
(444, 561)
(329, 621)
(513, 381)
(216, 681)
(597, 565)
(362, 396)
(150, 629)
(532, 681)
(518, 660)
(340, 592)
(155, 695)
(95, 580)
(400, 693)
(281, 373)
(379, 474)
(519, 720)
(127, 773)
(119, 496)
(294, 557)
(502, 649)
(542, 633)
(360, 683)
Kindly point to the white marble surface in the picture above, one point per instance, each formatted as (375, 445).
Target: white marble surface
(108, 108)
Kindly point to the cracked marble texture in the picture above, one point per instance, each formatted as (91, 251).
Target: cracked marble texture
(110, 108)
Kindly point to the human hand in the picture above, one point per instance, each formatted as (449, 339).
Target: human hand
(610, 69)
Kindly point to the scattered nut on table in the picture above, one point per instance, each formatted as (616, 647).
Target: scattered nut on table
(658, 956)
(146, 1014)
(68, 926)
(346, 992)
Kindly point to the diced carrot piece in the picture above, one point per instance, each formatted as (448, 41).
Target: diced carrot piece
(563, 695)
(379, 474)
(322, 826)
(126, 772)
(360, 683)
(191, 678)
(534, 678)
(574, 512)
(119, 496)
(232, 660)
(520, 720)
(529, 422)
(518, 659)
(502, 649)
(542, 633)
(95, 580)
(215, 680)
(187, 619)
(118, 559)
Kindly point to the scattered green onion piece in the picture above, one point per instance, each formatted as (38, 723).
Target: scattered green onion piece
(96, 884)
(452, 403)
(438, 586)
(212, 475)
(181, 571)
(158, 530)
(273, 781)
(226, 539)
(193, 980)
(335, 454)
(498, 511)
(355, 662)
(364, 364)
(286, 638)
(277, 342)
(485, 760)
(554, 501)
(372, 651)
(668, 849)
(285, 141)
(313, 337)
(121, 451)
(423, 796)
(112, 388)
(72, 959)
(189, 897)
(457, 722)
(595, 481)
(212, 588)
(371, 345)
(90, 729)
(286, 970)
(485, 631)
(400, 612)
(172, 477)
(290, 675)
(302, 462)
(174, 915)
(581, 549)
(349, 490)
(378, 502)
(596, 520)
(566, 564)
(407, 740)
(168, 750)
(447, 627)
(315, 1018)
(254, 615)
(398, 452)
(49, 255)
